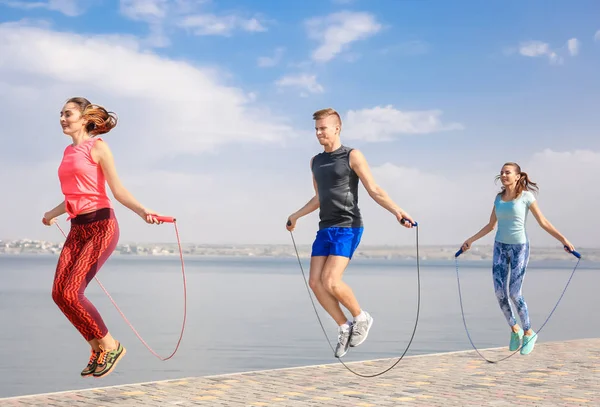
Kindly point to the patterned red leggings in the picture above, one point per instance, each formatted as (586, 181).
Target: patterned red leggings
(92, 239)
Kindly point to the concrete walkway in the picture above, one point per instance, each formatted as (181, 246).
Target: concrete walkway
(555, 374)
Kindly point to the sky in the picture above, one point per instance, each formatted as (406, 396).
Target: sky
(215, 103)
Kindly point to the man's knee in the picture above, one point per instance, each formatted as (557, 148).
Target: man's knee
(317, 263)
(331, 283)
(315, 284)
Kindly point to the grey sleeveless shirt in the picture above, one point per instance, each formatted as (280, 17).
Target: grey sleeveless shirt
(337, 185)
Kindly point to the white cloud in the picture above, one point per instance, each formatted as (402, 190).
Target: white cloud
(192, 110)
(210, 24)
(566, 196)
(252, 25)
(152, 12)
(185, 14)
(597, 36)
(337, 31)
(538, 49)
(267, 62)
(159, 120)
(168, 110)
(71, 8)
(555, 59)
(452, 206)
(573, 44)
(159, 9)
(534, 48)
(219, 206)
(420, 194)
(144, 9)
(303, 82)
(383, 123)
(176, 108)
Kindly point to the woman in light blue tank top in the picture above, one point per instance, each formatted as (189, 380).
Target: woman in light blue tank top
(511, 248)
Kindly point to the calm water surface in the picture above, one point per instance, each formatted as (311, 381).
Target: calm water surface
(251, 314)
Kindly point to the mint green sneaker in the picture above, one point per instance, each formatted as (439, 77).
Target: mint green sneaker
(515, 340)
(528, 343)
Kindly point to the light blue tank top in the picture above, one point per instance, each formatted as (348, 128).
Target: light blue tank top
(512, 216)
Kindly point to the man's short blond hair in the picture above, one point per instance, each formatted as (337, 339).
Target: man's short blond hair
(323, 113)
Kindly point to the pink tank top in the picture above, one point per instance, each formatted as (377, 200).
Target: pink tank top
(82, 180)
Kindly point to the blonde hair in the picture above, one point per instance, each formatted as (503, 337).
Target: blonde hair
(323, 113)
(100, 120)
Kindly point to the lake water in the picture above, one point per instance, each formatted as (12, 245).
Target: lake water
(249, 314)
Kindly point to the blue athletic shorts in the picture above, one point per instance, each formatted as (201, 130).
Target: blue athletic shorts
(336, 241)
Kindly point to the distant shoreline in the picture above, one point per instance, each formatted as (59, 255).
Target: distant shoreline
(481, 252)
(281, 251)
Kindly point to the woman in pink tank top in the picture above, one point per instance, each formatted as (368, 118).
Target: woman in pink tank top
(86, 167)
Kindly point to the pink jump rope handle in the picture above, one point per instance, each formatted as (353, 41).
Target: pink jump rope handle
(165, 219)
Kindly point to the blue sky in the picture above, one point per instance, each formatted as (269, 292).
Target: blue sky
(215, 98)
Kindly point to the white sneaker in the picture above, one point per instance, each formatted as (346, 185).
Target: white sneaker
(343, 341)
(360, 330)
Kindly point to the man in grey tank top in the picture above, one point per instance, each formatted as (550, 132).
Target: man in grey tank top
(336, 172)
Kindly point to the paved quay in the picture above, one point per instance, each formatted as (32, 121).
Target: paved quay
(555, 374)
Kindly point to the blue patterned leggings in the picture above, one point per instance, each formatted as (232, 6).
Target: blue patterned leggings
(513, 257)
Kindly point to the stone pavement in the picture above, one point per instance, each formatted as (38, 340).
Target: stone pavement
(555, 374)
